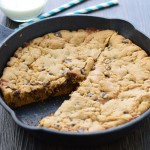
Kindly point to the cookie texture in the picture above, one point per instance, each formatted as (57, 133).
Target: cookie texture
(46, 64)
(107, 75)
(115, 91)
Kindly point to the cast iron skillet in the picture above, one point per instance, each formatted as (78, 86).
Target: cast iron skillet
(28, 116)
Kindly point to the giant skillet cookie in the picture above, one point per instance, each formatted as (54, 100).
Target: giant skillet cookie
(107, 75)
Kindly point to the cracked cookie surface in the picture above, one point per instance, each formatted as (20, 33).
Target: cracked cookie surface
(115, 91)
(46, 64)
(112, 76)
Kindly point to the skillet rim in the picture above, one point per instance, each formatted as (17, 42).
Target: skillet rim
(50, 131)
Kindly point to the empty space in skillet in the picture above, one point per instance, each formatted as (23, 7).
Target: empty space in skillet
(32, 113)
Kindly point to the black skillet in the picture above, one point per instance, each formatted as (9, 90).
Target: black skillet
(28, 116)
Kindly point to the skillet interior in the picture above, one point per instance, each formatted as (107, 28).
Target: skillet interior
(28, 116)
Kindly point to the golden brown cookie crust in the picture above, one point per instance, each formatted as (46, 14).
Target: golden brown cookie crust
(115, 91)
(43, 65)
(112, 75)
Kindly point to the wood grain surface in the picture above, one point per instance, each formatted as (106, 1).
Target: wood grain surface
(13, 137)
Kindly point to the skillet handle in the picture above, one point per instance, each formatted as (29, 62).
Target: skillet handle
(4, 32)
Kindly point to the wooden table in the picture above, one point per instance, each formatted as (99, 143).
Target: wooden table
(13, 137)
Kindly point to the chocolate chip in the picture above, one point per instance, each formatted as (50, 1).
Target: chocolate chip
(89, 94)
(104, 95)
(125, 41)
(67, 60)
(16, 92)
(107, 75)
(58, 34)
(57, 125)
(50, 73)
(108, 68)
(95, 99)
(125, 112)
(107, 61)
(73, 125)
(82, 71)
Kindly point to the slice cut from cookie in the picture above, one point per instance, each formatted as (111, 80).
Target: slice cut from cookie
(51, 65)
